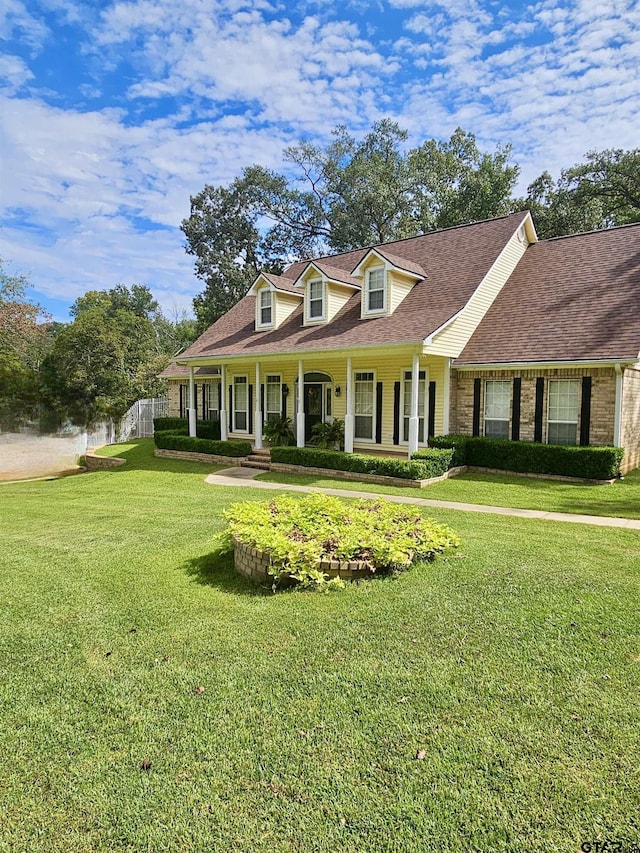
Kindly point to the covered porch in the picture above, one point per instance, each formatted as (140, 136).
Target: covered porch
(391, 401)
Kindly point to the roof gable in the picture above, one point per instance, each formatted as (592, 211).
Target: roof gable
(454, 261)
(570, 299)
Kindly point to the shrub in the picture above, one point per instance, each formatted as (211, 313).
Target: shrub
(328, 436)
(279, 432)
(204, 429)
(591, 463)
(297, 534)
(176, 440)
(404, 469)
(163, 424)
(438, 460)
(457, 443)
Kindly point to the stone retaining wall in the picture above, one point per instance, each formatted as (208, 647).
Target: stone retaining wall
(101, 463)
(354, 476)
(254, 564)
(190, 456)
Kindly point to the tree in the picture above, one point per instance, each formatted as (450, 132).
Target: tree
(343, 196)
(602, 192)
(109, 356)
(23, 341)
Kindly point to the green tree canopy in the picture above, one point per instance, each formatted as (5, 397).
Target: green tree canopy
(601, 192)
(23, 341)
(342, 196)
(111, 353)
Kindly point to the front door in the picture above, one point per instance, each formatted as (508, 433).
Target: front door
(312, 407)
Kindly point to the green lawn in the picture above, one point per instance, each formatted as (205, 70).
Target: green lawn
(514, 666)
(621, 499)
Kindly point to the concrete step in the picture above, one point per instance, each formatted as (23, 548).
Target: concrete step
(255, 461)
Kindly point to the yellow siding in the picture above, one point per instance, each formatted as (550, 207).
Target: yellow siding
(286, 304)
(388, 369)
(398, 286)
(452, 340)
(337, 297)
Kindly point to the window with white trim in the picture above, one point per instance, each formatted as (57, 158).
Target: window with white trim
(210, 402)
(266, 307)
(497, 405)
(273, 397)
(375, 290)
(240, 404)
(562, 411)
(364, 405)
(422, 401)
(316, 299)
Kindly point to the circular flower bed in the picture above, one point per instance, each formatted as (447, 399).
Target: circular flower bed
(309, 539)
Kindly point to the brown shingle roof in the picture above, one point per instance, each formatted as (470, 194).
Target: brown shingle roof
(177, 371)
(571, 298)
(400, 263)
(281, 282)
(454, 261)
(332, 273)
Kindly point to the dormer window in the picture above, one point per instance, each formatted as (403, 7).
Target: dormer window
(265, 311)
(375, 290)
(316, 299)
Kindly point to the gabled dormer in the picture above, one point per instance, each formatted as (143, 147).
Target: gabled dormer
(326, 290)
(386, 280)
(276, 299)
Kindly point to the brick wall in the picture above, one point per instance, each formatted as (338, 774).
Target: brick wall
(630, 426)
(254, 564)
(174, 398)
(603, 395)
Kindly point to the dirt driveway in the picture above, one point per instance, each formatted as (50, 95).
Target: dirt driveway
(23, 455)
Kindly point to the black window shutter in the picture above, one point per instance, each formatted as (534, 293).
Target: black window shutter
(537, 418)
(262, 400)
(515, 409)
(396, 413)
(231, 417)
(477, 386)
(250, 404)
(585, 411)
(219, 397)
(284, 402)
(205, 413)
(182, 401)
(378, 412)
(194, 404)
(431, 419)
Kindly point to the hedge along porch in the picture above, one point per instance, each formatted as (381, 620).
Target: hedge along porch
(375, 392)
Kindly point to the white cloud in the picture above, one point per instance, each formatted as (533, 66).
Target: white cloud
(17, 21)
(14, 72)
(101, 192)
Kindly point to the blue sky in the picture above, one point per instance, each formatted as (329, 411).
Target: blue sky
(114, 113)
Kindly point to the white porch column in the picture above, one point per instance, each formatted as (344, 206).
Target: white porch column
(300, 406)
(617, 423)
(257, 420)
(446, 393)
(224, 432)
(413, 417)
(349, 420)
(192, 404)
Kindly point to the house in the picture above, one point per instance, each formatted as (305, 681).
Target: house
(480, 329)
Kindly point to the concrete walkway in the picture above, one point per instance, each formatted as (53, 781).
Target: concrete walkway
(246, 477)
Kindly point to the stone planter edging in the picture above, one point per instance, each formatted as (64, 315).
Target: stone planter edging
(190, 456)
(354, 476)
(254, 565)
